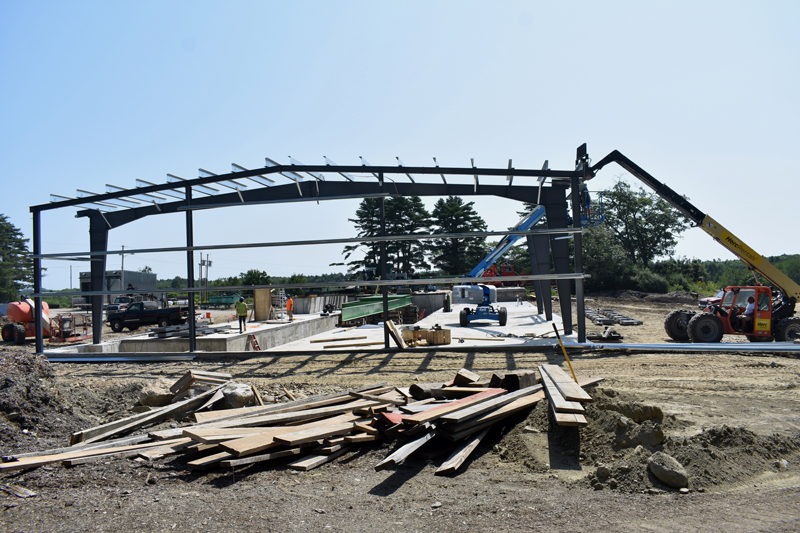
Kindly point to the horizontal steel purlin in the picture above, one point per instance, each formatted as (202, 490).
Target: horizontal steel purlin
(322, 285)
(388, 238)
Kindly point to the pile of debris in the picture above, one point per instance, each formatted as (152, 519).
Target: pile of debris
(606, 317)
(317, 429)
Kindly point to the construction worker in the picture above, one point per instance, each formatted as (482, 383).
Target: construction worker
(290, 308)
(241, 310)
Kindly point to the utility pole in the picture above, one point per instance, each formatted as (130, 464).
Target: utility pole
(204, 263)
(122, 272)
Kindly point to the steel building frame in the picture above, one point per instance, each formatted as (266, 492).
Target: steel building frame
(141, 202)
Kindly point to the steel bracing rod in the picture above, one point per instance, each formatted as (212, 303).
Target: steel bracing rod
(454, 171)
(322, 285)
(350, 240)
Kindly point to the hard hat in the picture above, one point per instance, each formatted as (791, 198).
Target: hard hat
(241, 298)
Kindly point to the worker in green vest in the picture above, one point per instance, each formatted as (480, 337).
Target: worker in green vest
(241, 310)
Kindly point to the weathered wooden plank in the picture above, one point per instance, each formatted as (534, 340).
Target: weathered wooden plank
(209, 461)
(569, 389)
(403, 452)
(464, 377)
(488, 405)
(153, 417)
(126, 441)
(338, 340)
(313, 461)
(361, 437)
(192, 374)
(433, 414)
(352, 345)
(559, 403)
(33, 462)
(460, 455)
(257, 443)
(307, 435)
(396, 335)
(228, 463)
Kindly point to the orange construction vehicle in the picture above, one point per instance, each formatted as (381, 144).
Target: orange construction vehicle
(63, 328)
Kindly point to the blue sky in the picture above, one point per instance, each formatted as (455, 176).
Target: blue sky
(703, 95)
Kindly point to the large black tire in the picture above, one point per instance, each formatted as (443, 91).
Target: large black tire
(8, 333)
(19, 334)
(788, 330)
(676, 327)
(116, 326)
(503, 315)
(164, 322)
(462, 318)
(706, 327)
(756, 338)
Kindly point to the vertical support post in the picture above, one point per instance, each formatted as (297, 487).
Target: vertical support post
(384, 288)
(98, 242)
(190, 269)
(539, 251)
(577, 204)
(37, 280)
(557, 218)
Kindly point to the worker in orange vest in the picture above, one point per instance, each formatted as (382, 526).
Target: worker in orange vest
(290, 308)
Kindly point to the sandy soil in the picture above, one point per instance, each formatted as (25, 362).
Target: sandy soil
(732, 420)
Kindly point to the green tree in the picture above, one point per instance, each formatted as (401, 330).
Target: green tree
(646, 225)
(404, 216)
(605, 260)
(16, 264)
(146, 270)
(456, 256)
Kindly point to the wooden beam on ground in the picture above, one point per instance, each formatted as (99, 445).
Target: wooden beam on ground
(403, 452)
(228, 463)
(352, 345)
(312, 434)
(432, 414)
(152, 417)
(338, 339)
(557, 401)
(460, 455)
(489, 405)
(313, 461)
(33, 462)
(569, 389)
(396, 335)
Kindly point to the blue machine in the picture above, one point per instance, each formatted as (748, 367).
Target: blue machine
(507, 242)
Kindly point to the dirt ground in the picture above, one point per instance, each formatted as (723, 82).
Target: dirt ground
(733, 421)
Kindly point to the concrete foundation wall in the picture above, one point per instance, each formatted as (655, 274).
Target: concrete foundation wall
(509, 294)
(313, 306)
(429, 301)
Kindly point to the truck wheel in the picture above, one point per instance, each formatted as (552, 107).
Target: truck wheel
(789, 329)
(676, 325)
(706, 327)
(19, 334)
(462, 318)
(8, 333)
(756, 338)
(116, 326)
(503, 315)
(164, 322)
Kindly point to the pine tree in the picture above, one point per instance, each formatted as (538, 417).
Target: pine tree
(16, 264)
(457, 256)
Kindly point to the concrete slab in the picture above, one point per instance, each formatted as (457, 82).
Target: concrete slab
(522, 319)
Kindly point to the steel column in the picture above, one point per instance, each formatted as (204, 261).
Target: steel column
(557, 218)
(577, 201)
(385, 288)
(539, 251)
(190, 270)
(98, 242)
(37, 280)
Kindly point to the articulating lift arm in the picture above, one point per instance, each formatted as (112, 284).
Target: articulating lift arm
(507, 242)
(753, 260)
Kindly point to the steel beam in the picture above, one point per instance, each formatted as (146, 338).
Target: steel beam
(190, 270)
(98, 242)
(37, 281)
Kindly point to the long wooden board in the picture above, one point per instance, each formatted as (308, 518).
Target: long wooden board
(559, 403)
(488, 405)
(266, 440)
(311, 434)
(313, 461)
(33, 462)
(338, 340)
(228, 463)
(437, 412)
(458, 457)
(569, 389)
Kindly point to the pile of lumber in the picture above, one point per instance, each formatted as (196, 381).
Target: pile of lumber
(449, 417)
(620, 319)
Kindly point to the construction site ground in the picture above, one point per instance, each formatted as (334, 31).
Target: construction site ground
(732, 420)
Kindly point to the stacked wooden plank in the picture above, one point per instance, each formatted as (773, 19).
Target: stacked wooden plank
(195, 382)
(565, 396)
(445, 417)
(620, 318)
